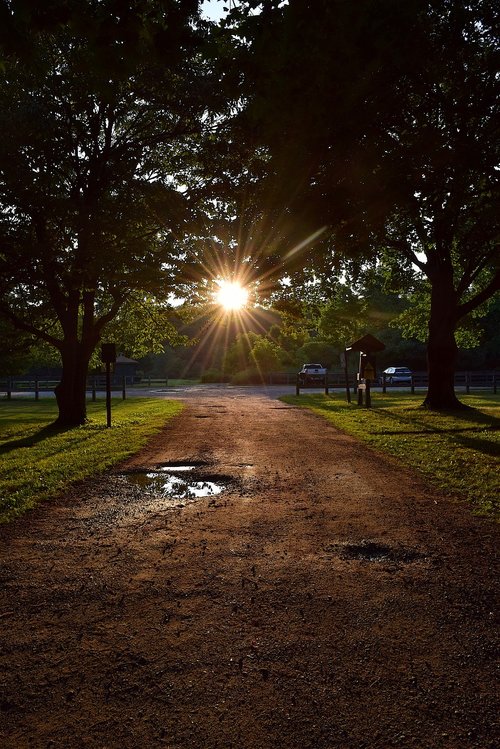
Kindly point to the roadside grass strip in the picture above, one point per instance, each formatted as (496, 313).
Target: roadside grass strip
(459, 451)
(38, 461)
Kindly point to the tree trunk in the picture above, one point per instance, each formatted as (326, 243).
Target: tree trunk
(442, 347)
(71, 391)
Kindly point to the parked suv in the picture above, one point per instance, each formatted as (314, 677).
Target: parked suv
(312, 373)
(398, 375)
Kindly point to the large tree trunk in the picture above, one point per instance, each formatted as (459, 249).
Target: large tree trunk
(442, 347)
(71, 391)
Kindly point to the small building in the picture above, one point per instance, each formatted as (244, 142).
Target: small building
(125, 367)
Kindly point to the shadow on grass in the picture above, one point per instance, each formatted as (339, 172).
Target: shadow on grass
(430, 430)
(479, 445)
(479, 419)
(459, 435)
(45, 433)
(472, 420)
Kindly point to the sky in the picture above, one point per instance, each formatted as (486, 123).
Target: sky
(214, 9)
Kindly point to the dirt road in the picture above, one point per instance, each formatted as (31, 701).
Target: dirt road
(324, 598)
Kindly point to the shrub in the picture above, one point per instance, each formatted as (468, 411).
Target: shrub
(214, 375)
(250, 376)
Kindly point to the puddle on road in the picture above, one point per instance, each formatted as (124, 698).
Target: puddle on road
(176, 467)
(165, 482)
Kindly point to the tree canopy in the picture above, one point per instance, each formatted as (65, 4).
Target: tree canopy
(380, 122)
(99, 104)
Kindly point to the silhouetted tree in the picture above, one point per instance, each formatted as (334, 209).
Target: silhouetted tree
(381, 122)
(102, 104)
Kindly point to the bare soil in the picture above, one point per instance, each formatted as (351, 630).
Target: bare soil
(326, 598)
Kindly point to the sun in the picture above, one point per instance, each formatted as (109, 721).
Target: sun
(231, 295)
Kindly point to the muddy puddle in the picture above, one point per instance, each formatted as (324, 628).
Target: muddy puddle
(175, 482)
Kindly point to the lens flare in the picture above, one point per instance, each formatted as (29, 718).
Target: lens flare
(231, 295)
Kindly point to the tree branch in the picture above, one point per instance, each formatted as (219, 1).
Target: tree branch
(482, 296)
(23, 325)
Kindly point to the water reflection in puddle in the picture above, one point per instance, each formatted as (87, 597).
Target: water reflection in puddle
(175, 469)
(165, 483)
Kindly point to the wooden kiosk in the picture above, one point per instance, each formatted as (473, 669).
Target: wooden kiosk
(367, 347)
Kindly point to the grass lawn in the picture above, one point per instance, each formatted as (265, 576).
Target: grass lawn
(38, 461)
(459, 452)
(157, 382)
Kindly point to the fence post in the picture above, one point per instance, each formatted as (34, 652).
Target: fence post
(368, 398)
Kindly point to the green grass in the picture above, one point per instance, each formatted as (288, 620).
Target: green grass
(38, 461)
(158, 382)
(457, 451)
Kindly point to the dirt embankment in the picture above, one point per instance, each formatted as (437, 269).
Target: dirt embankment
(323, 599)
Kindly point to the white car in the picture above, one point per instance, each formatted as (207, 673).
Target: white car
(398, 375)
(312, 373)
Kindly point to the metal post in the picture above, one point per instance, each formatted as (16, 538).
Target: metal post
(360, 396)
(495, 384)
(326, 383)
(124, 385)
(346, 376)
(368, 395)
(384, 383)
(297, 386)
(94, 394)
(467, 382)
(37, 389)
(108, 394)
(9, 388)
(412, 381)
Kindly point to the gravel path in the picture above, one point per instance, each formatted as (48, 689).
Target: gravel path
(325, 598)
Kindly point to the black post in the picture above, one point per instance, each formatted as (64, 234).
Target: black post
(384, 383)
(297, 387)
(467, 382)
(124, 384)
(368, 395)
(412, 381)
(360, 396)
(9, 388)
(37, 389)
(94, 394)
(495, 384)
(346, 375)
(326, 383)
(108, 394)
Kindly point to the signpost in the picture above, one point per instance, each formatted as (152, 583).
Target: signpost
(108, 357)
